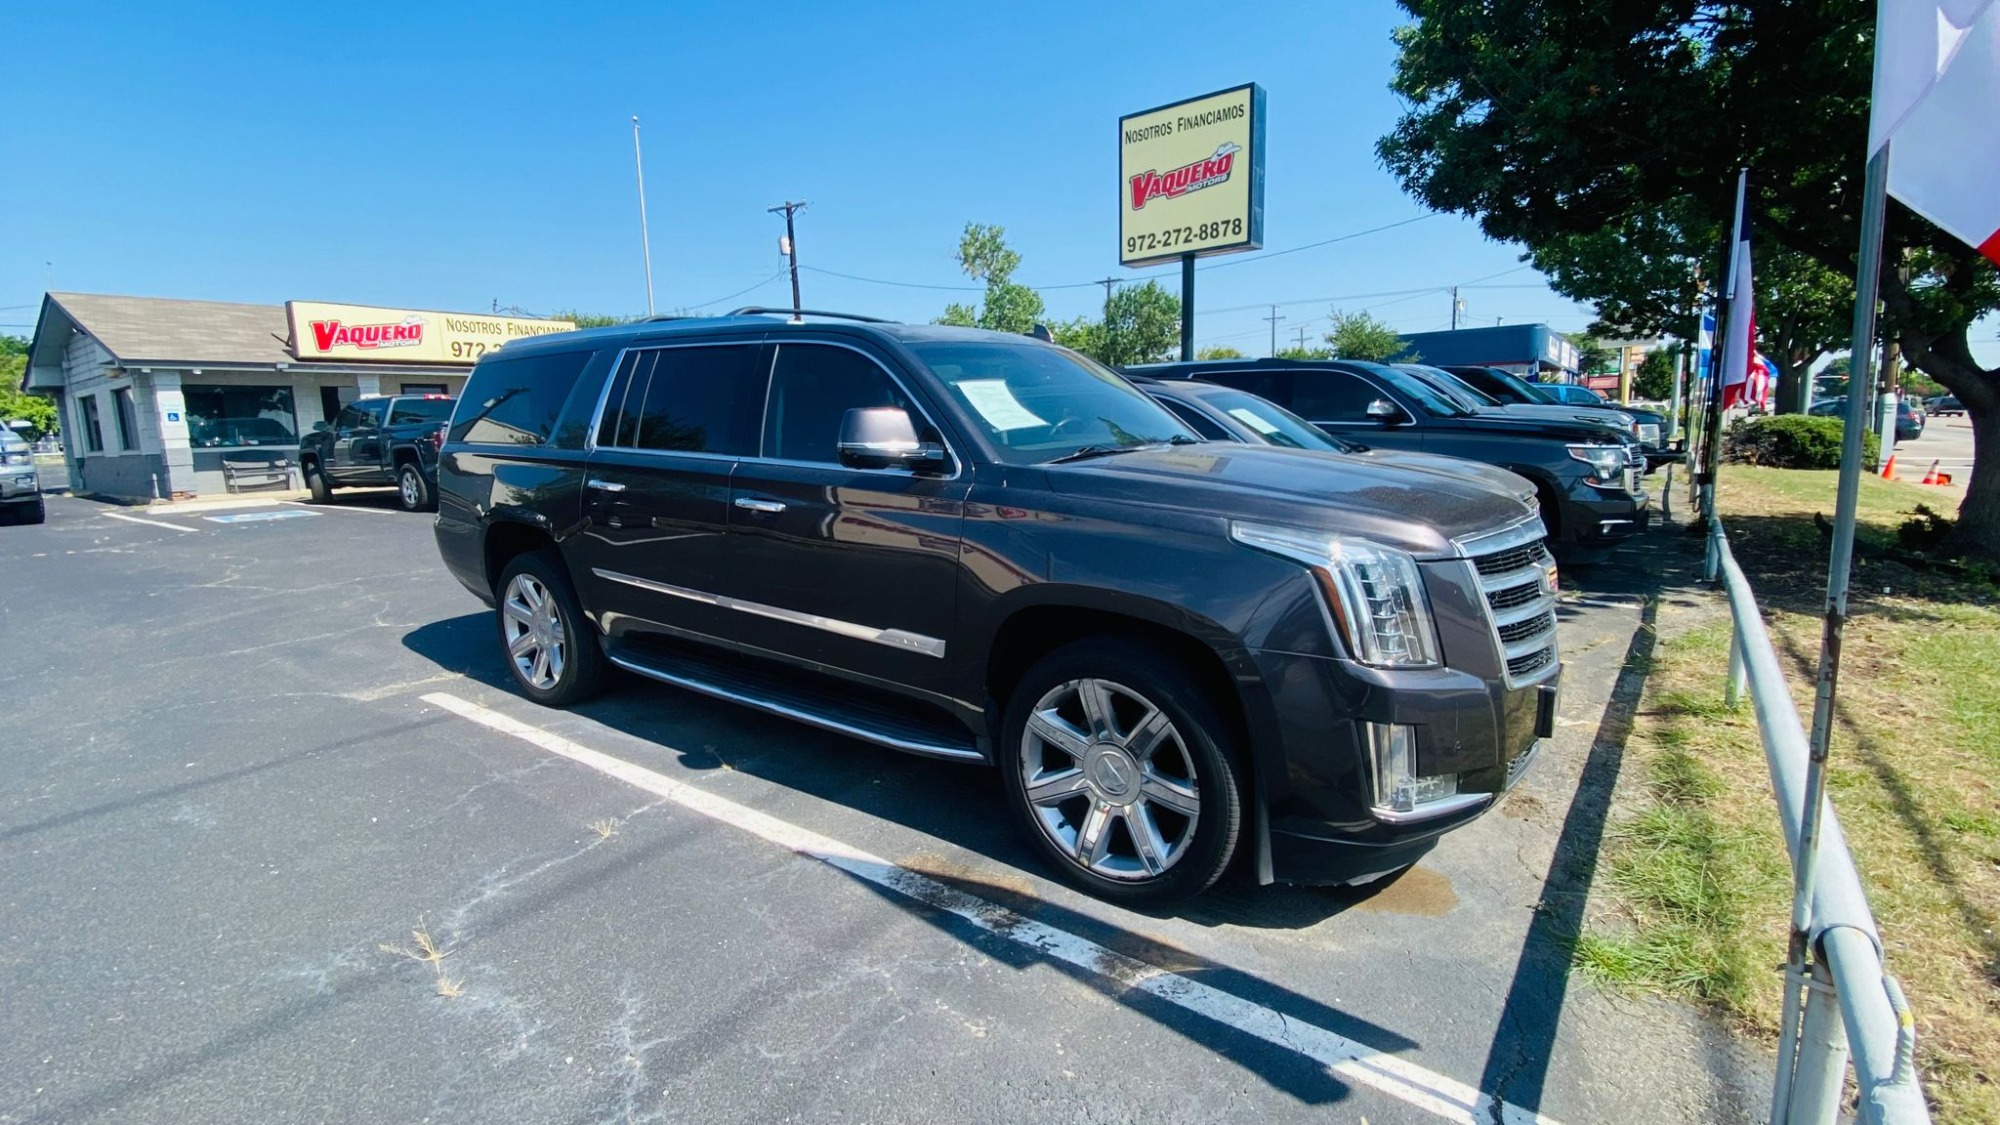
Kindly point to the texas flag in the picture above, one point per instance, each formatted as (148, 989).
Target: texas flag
(1937, 88)
(1743, 381)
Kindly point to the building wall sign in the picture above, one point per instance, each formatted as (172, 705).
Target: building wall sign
(1191, 177)
(368, 334)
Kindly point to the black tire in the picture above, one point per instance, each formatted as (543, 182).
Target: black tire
(1199, 751)
(317, 484)
(36, 512)
(577, 669)
(413, 492)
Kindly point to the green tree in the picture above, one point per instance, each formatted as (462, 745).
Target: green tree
(1360, 336)
(1592, 357)
(1142, 325)
(1654, 381)
(1219, 351)
(16, 404)
(1008, 306)
(1551, 118)
(1308, 352)
(591, 320)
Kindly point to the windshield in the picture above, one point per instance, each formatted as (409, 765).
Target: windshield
(1472, 397)
(1528, 391)
(1444, 397)
(1274, 423)
(1037, 403)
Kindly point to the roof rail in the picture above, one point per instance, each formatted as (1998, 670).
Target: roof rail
(759, 310)
(665, 316)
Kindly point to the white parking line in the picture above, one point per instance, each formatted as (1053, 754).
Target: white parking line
(1352, 1061)
(148, 523)
(333, 508)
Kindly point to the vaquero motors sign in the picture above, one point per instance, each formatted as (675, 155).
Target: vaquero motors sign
(368, 334)
(1191, 178)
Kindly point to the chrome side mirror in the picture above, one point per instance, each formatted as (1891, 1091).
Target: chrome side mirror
(1384, 410)
(883, 437)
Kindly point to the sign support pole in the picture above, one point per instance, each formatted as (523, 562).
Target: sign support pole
(1187, 307)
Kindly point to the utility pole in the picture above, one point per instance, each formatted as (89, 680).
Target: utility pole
(1110, 346)
(1457, 306)
(790, 246)
(1274, 318)
(1301, 330)
(645, 239)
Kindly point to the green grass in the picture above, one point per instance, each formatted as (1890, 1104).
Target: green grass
(1697, 881)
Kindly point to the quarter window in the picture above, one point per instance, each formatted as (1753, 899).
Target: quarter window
(516, 401)
(693, 399)
(813, 386)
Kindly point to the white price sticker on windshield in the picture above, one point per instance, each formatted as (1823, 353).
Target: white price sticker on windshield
(1253, 420)
(998, 405)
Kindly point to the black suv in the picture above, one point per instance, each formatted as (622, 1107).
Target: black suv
(1588, 404)
(1181, 654)
(1587, 475)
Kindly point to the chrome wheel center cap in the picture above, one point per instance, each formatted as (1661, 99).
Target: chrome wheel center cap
(1113, 775)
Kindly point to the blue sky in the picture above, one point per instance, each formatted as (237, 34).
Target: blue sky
(438, 157)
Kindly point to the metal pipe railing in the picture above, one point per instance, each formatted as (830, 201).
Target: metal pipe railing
(1847, 951)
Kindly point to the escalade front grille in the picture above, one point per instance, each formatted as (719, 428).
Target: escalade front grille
(1517, 577)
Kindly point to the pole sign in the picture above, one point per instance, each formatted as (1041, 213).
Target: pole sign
(375, 335)
(1191, 178)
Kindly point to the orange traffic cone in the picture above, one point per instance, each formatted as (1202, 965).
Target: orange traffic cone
(1889, 468)
(1932, 476)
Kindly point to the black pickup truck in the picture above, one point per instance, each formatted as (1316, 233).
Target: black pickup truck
(378, 440)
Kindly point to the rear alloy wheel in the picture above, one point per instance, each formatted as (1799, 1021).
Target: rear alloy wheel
(551, 648)
(316, 483)
(412, 491)
(1125, 778)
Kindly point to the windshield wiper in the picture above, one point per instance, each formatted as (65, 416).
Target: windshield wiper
(1089, 451)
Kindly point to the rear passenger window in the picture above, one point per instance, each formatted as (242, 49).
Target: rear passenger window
(1333, 396)
(1196, 420)
(1276, 386)
(813, 386)
(696, 400)
(516, 401)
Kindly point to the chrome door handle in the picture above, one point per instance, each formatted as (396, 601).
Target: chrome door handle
(768, 507)
(604, 485)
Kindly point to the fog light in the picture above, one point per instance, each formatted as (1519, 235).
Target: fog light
(1392, 752)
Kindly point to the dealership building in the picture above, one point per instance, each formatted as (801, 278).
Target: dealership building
(1533, 351)
(165, 398)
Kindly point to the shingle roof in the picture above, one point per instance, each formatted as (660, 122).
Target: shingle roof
(161, 329)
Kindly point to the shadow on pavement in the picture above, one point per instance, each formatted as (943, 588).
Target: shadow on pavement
(957, 803)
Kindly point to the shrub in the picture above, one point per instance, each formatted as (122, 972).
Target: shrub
(1794, 441)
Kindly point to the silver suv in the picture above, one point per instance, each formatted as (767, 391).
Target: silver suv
(20, 484)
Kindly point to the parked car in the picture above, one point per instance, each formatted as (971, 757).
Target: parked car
(1942, 405)
(20, 482)
(1182, 655)
(1588, 476)
(378, 440)
(1910, 418)
(1650, 426)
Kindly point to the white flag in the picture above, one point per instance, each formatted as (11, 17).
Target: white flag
(1937, 95)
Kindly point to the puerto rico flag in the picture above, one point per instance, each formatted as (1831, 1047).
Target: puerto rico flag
(1937, 84)
(1739, 345)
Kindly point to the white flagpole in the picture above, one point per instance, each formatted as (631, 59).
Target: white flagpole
(645, 241)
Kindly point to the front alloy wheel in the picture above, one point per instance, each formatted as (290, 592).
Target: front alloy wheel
(1110, 779)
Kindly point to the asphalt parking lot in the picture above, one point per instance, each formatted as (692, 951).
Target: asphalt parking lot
(249, 759)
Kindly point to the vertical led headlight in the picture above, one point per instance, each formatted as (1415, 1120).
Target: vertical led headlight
(1374, 593)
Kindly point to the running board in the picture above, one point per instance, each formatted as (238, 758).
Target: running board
(826, 708)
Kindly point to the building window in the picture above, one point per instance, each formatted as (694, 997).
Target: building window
(424, 389)
(239, 417)
(128, 419)
(93, 430)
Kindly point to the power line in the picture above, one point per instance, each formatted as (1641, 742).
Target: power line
(781, 272)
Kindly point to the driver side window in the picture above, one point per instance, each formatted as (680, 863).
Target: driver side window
(813, 386)
(1333, 396)
(351, 418)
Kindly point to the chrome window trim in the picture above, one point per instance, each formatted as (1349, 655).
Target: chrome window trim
(892, 638)
(770, 377)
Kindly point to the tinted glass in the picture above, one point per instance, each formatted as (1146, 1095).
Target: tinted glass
(696, 400)
(1425, 395)
(222, 416)
(516, 401)
(1461, 394)
(1036, 402)
(1272, 422)
(813, 386)
(420, 410)
(1333, 396)
(1273, 386)
(1504, 385)
(1196, 421)
(348, 419)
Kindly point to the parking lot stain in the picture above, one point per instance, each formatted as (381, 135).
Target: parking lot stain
(1419, 891)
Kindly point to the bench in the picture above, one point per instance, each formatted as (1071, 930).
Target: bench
(244, 472)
